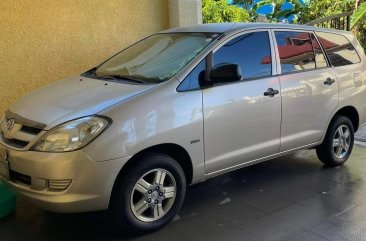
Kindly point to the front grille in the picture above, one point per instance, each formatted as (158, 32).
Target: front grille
(16, 143)
(30, 130)
(19, 177)
(18, 132)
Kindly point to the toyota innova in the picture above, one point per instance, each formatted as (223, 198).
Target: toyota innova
(179, 107)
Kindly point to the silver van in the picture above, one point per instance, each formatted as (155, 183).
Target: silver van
(179, 107)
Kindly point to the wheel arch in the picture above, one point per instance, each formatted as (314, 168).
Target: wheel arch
(351, 113)
(175, 151)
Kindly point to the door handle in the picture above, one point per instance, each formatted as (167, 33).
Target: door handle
(329, 81)
(271, 92)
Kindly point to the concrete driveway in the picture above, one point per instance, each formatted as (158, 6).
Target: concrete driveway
(360, 136)
(288, 198)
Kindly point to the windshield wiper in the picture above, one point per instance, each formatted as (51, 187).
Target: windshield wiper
(90, 72)
(121, 77)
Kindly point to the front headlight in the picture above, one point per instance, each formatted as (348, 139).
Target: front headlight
(72, 135)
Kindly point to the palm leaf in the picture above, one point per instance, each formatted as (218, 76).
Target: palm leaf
(257, 5)
(359, 14)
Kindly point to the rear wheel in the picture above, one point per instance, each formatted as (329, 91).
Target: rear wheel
(149, 194)
(338, 142)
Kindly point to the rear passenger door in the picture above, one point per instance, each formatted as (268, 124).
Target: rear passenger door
(308, 86)
(347, 66)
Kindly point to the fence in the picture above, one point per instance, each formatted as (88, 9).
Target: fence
(340, 21)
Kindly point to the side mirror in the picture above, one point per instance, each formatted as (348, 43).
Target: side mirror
(225, 73)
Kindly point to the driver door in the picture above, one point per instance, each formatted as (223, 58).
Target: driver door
(241, 124)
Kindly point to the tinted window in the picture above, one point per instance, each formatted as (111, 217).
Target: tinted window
(319, 55)
(250, 51)
(193, 80)
(295, 50)
(338, 49)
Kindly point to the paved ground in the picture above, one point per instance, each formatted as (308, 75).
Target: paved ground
(361, 134)
(288, 198)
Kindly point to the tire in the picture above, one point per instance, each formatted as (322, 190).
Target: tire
(338, 142)
(139, 204)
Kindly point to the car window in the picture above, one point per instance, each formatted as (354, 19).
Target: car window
(320, 59)
(252, 52)
(194, 79)
(295, 50)
(339, 50)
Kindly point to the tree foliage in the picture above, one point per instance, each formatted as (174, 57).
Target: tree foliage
(315, 9)
(278, 13)
(358, 23)
(220, 11)
(359, 15)
(216, 11)
(247, 4)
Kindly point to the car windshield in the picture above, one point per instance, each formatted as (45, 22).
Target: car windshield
(154, 59)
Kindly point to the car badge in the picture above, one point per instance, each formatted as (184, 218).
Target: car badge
(10, 124)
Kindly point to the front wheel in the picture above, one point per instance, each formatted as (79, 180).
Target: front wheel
(149, 194)
(338, 142)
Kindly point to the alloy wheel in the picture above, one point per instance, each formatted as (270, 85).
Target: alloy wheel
(153, 195)
(341, 141)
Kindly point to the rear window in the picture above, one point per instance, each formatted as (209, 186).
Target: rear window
(339, 50)
(295, 50)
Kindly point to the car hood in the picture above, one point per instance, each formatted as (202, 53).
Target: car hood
(72, 98)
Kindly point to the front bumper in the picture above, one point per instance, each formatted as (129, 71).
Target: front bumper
(36, 174)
